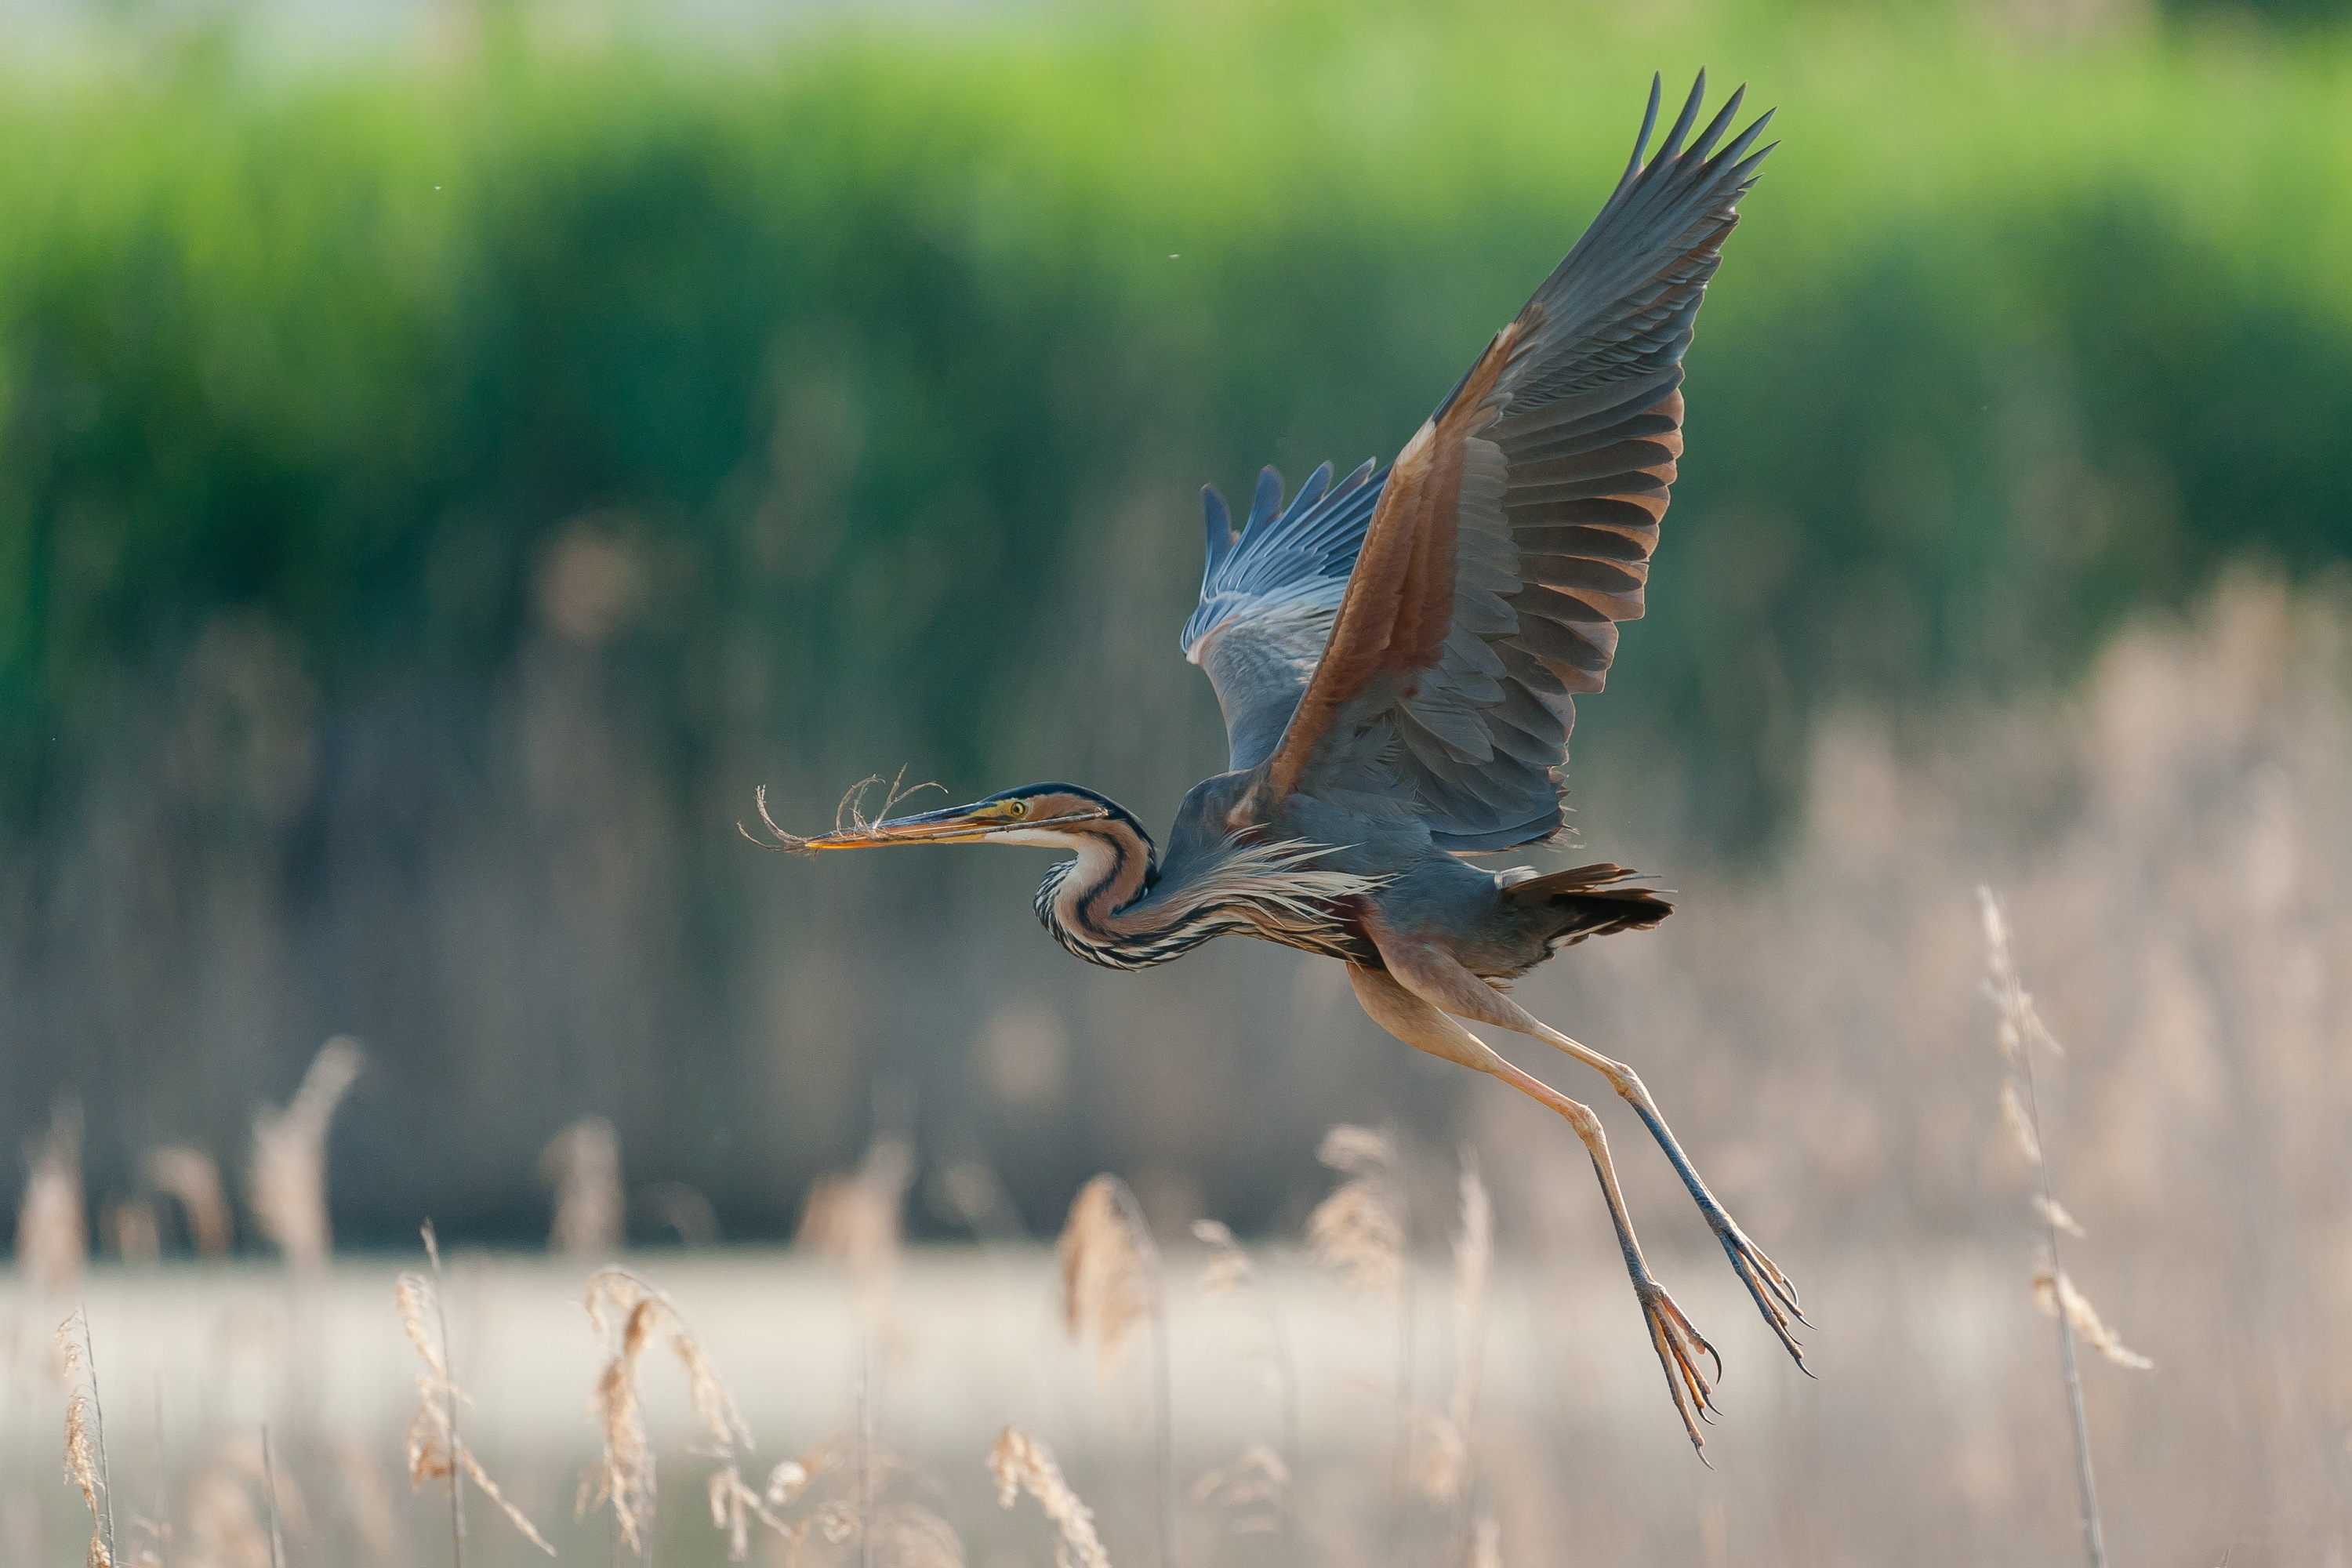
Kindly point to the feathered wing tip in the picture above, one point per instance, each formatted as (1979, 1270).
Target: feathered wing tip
(1219, 521)
(1672, 145)
(1266, 501)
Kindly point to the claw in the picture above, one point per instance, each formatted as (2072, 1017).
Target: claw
(1678, 1346)
(1767, 1286)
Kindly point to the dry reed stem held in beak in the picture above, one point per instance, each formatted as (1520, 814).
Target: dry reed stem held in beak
(849, 815)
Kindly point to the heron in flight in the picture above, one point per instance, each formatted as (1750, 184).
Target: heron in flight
(1398, 657)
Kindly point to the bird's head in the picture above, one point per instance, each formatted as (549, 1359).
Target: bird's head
(1057, 816)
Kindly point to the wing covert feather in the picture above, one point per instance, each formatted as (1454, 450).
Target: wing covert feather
(1514, 531)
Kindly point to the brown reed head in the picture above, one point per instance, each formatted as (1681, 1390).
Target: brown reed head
(193, 1178)
(1359, 1229)
(1022, 1463)
(583, 1163)
(290, 1157)
(52, 1227)
(1109, 1269)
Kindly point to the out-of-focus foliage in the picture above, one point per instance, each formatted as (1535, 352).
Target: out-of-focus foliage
(392, 457)
(854, 336)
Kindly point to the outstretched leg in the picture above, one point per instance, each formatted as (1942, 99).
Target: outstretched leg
(1437, 977)
(1425, 1028)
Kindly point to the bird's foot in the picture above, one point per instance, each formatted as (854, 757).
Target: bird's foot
(1679, 1347)
(1773, 1295)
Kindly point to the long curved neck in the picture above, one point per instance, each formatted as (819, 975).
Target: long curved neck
(1112, 906)
(1080, 900)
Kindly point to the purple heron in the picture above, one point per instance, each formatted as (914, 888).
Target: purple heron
(1397, 655)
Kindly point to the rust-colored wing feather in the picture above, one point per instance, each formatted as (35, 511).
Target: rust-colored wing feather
(1514, 531)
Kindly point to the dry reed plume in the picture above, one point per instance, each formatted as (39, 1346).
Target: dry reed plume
(2020, 1035)
(193, 1177)
(1359, 1229)
(85, 1447)
(1111, 1281)
(1106, 1271)
(627, 1315)
(1022, 1463)
(289, 1158)
(436, 1450)
(858, 1219)
(52, 1229)
(583, 1163)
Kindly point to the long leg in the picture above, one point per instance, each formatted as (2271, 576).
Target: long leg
(1425, 1028)
(1437, 977)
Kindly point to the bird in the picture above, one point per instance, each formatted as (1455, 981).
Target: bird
(1397, 656)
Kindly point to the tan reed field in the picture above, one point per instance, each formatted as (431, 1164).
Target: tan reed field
(1431, 1362)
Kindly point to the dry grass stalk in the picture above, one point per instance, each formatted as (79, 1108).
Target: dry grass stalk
(1360, 1229)
(583, 1163)
(269, 1493)
(290, 1157)
(2014, 1117)
(629, 1314)
(1021, 1463)
(2020, 1034)
(52, 1229)
(2054, 1213)
(858, 1219)
(193, 1177)
(85, 1450)
(2052, 1290)
(436, 1450)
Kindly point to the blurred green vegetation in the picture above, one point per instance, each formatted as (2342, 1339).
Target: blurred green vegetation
(855, 334)
(435, 487)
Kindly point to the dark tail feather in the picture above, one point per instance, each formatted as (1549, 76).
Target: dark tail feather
(1589, 901)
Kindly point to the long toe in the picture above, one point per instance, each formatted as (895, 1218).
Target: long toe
(1679, 1347)
(1770, 1290)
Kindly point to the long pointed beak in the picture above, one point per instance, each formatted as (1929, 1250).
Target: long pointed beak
(954, 824)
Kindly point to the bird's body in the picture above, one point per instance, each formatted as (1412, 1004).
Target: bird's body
(1397, 656)
(1115, 904)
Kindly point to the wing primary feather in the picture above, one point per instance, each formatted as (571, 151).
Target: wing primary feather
(1309, 493)
(1649, 124)
(1220, 524)
(1715, 127)
(1268, 498)
(1740, 143)
(1683, 122)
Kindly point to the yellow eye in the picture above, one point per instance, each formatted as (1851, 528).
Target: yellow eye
(1016, 808)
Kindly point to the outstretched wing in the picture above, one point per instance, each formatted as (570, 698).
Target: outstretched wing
(1268, 595)
(1515, 530)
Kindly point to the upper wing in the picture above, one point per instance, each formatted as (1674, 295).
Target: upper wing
(1515, 530)
(1268, 595)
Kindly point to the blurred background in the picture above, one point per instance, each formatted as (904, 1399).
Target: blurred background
(452, 452)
